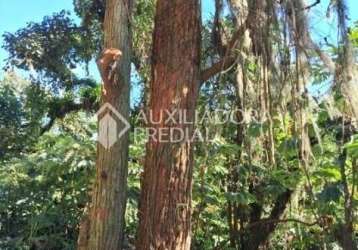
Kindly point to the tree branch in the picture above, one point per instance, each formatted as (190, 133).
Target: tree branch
(312, 5)
(216, 68)
(260, 230)
(327, 61)
(276, 221)
(66, 108)
(228, 59)
(306, 40)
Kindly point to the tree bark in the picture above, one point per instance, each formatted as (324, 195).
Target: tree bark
(345, 231)
(104, 225)
(165, 203)
(260, 230)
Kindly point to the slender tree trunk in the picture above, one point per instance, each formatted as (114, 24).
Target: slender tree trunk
(345, 231)
(103, 228)
(165, 204)
(260, 232)
(346, 76)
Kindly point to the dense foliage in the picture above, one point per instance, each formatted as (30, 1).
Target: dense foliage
(48, 146)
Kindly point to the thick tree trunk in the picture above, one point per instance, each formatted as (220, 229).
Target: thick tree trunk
(165, 204)
(103, 228)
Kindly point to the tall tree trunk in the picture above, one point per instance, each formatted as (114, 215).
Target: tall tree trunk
(345, 231)
(346, 76)
(165, 203)
(103, 228)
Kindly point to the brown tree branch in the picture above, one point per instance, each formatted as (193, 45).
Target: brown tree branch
(306, 41)
(327, 61)
(228, 60)
(66, 108)
(216, 68)
(260, 231)
(276, 221)
(312, 5)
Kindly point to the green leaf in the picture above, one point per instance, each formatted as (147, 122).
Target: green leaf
(330, 173)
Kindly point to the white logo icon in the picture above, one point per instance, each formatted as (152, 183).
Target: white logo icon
(107, 126)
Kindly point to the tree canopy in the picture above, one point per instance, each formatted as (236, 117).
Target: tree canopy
(279, 173)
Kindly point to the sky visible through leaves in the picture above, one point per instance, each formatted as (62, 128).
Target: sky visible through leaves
(15, 14)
